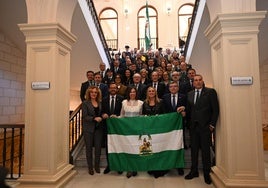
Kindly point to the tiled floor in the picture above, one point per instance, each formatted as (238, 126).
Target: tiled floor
(142, 180)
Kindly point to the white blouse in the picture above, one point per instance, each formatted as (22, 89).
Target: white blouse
(131, 108)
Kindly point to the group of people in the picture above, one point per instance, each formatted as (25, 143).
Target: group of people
(148, 84)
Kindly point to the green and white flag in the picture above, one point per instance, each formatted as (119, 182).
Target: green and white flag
(145, 143)
(147, 29)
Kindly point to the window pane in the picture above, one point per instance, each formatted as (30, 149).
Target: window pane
(186, 9)
(109, 28)
(109, 24)
(108, 14)
(184, 25)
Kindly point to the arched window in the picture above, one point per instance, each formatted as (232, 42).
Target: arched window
(109, 23)
(184, 18)
(153, 22)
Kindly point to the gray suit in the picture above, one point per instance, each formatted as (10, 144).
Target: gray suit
(92, 132)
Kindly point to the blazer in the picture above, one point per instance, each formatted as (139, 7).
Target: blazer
(161, 88)
(104, 89)
(205, 111)
(181, 101)
(106, 105)
(83, 89)
(142, 88)
(122, 90)
(88, 115)
(152, 110)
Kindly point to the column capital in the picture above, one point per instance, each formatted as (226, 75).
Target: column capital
(48, 33)
(234, 23)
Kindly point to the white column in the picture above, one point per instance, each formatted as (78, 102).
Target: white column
(46, 152)
(239, 146)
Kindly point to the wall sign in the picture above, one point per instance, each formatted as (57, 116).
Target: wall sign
(40, 85)
(242, 80)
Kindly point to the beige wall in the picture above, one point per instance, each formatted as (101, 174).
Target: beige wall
(12, 82)
(264, 91)
(127, 25)
(74, 99)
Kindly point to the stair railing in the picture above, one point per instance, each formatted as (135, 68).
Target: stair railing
(191, 27)
(99, 29)
(75, 130)
(12, 149)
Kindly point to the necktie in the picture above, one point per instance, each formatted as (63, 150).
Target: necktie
(112, 105)
(174, 102)
(155, 85)
(197, 96)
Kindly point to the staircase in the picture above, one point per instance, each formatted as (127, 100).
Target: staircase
(81, 160)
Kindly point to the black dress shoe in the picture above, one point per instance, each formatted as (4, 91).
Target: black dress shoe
(119, 172)
(134, 173)
(107, 170)
(180, 171)
(191, 175)
(129, 174)
(91, 171)
(97, 169)
(207, 179)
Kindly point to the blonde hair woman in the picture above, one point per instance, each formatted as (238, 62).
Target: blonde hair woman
(92, 127)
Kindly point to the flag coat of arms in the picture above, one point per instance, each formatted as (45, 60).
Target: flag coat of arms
(145, 143)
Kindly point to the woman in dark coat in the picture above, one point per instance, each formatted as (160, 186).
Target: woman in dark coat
(92, 127)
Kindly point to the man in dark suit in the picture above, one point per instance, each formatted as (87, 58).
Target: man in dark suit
(86, 84)
(116, 68)
(141, 88)
(159, 86)
(202, 111)
(102, 71)
(150, 67)
(191, 74)
(103, 87)
(175, 102)
(109, 77)
(110, 109)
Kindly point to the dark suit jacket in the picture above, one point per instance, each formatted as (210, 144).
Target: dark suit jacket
(161, 88)
(141, 91)
(153, 110)
(83, 89)
(108, 80)
(206, 110)
(181, 101)
(104, 89)
(88, 115)
(106, 105)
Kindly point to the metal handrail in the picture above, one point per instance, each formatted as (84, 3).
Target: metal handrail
(99, 29)
(75, 130)
(11, 144)
(191, 27)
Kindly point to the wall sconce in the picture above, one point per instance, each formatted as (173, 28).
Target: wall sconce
(168, 10)
(126, 12)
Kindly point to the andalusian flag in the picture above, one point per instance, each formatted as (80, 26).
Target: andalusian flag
(147, 29)
(145, 143)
